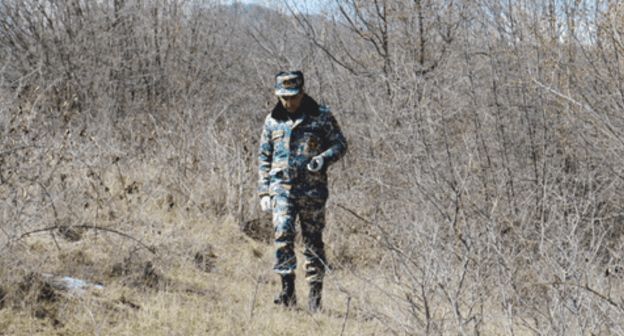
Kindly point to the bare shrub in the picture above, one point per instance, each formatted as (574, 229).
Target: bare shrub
(494, 157)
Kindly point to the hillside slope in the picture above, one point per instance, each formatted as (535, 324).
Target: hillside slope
(205, 278)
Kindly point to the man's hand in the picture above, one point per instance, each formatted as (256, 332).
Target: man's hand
(316, 164)
(265, 203)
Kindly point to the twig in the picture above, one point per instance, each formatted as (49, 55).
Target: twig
(608, 125)
(354, 214)
(55, 242)
(385, 235)
(45, 190)
(586, 287)
(253, 299)
(152, 250)
(344, 323)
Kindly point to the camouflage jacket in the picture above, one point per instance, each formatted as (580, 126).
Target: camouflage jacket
(287, 146)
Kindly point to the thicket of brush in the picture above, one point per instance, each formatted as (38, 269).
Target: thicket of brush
(482, 190)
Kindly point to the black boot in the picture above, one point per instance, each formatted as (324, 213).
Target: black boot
(314, 299)
(287, 296)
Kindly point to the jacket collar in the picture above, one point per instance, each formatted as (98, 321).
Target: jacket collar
(308, 106)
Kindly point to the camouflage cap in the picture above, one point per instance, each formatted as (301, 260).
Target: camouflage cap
(288, 83)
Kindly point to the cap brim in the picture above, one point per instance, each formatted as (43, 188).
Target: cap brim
(287, 92)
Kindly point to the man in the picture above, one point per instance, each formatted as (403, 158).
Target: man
(300, 140)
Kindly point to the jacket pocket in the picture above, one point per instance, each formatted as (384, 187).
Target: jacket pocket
(311, 144)
(280, 181)
(280, 142)
(277, 134)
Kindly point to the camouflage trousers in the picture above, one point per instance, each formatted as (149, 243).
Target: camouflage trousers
(311, 213)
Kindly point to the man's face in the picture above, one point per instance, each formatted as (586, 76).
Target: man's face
(291, 103)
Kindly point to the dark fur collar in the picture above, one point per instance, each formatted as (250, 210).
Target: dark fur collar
(308, 106)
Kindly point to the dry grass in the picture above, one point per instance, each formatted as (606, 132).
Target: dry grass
(228, 291)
